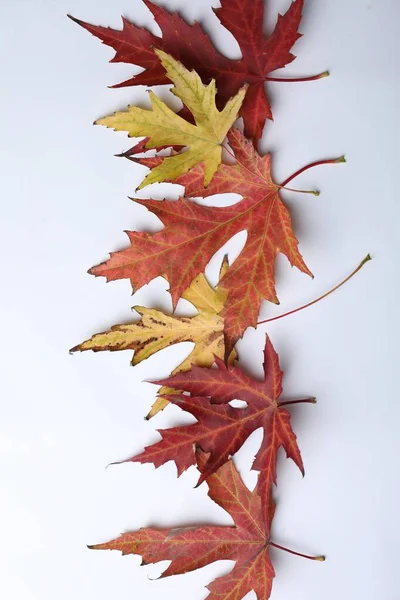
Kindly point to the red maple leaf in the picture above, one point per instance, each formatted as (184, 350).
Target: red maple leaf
(190, 44)
(193, 233)
(222, 429)
(189, 548)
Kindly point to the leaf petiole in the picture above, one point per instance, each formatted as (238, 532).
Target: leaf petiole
(318, 558)
(304, 401)
(292, 312)
(298, 79)
(313, 192)
(330, 161)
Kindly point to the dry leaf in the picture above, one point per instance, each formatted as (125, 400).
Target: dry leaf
(164, 127)
(157, 330)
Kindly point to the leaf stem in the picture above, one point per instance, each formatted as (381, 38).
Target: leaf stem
(298, 79)
(305, 400)
(291, 312)
(313, 192)
(319, 558)
(331, 161)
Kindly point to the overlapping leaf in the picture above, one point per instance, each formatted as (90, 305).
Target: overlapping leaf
(193, 233)
(157, 330)
(190, 548)
(189, 44)
(164, 127)
(222, 429)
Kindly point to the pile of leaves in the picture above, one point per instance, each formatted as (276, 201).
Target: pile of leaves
(203, 148)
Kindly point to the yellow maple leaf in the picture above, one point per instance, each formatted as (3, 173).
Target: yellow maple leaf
(164, 127)
(157, 330)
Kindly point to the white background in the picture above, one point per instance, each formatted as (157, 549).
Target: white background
(64, 418)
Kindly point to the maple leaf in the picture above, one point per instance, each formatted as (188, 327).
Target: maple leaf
(157, 330)
(164, 127)
(190, 548)
(190, 44)
(222, 429)
(193, 233)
